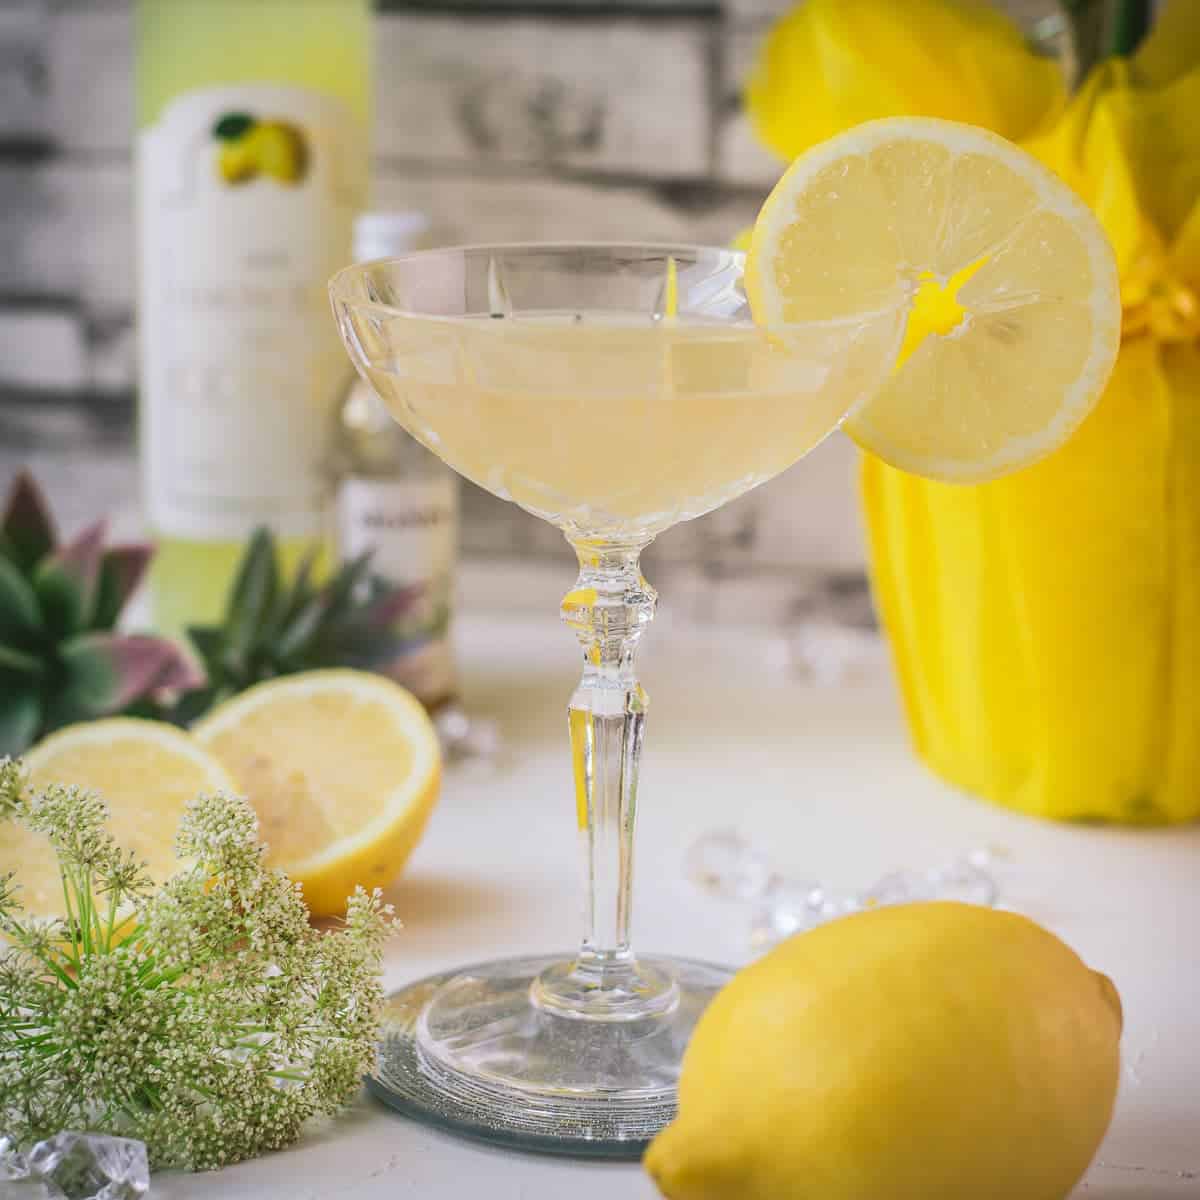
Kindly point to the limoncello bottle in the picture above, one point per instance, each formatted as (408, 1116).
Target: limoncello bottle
(252, 163)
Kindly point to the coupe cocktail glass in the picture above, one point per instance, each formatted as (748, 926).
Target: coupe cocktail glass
(612, 390)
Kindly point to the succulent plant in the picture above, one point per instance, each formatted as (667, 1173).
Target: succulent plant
(274, 626)
(61, 659)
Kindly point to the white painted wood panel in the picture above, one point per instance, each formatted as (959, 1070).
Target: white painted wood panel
(624, 95)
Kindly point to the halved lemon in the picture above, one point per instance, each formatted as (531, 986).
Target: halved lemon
(144, 770)
(343, 769)
(1014, 314)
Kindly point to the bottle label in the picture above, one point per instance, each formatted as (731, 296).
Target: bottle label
(412, 527)
(247, 199)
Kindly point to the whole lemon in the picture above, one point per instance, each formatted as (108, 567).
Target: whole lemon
(237, 161)
(281, 150)
(920, 1052)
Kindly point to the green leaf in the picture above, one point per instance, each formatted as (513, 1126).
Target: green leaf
(148, 709)
(252, 596)
(20, 721)
(346, 584)
(121, 570)
(365, 637)
(233, 126)
(26, 523)
(295, 644)
(298, 635)
(20, 617)
(1129, 24)
(240, 673)
(354, 609)
(16, 662)
(299, 591)
(210, 645)
(104, 673)
(195, 704)
(66, 582)
(287, 598)
(90, 685)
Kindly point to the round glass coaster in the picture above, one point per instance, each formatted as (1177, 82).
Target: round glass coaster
(473, 1051)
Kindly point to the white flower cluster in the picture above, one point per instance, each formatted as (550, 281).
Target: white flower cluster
(206, 1017)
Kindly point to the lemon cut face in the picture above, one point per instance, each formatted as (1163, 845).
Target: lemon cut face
(145, 771)
(343, 768)
(1009, 283)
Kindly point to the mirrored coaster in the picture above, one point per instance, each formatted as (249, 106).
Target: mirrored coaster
(478, 1052)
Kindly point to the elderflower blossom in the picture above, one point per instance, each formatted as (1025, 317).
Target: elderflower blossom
(205, 1017)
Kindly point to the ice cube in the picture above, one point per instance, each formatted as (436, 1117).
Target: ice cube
(13, 1166)
(963, 880)
(725, 863)
(90, 1166)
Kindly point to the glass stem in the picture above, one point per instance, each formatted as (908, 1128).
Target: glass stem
(608, 608)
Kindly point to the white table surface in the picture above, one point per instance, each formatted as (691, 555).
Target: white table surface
(820, 775)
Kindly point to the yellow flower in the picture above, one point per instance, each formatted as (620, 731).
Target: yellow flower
(1130, 146)
(830, 64)
(1045, 627)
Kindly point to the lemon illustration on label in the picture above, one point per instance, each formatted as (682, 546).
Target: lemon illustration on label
(250, 147)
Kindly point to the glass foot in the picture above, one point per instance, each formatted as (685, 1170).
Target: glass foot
(479, 1052)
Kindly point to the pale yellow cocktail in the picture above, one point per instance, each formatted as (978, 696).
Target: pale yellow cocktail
(616, 424)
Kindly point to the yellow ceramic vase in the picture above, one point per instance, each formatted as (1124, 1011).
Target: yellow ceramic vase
(1046, 627)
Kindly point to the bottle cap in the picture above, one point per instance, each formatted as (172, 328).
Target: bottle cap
(387, 234)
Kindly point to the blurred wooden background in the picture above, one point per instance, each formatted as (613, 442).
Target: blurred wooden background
(549, 119)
